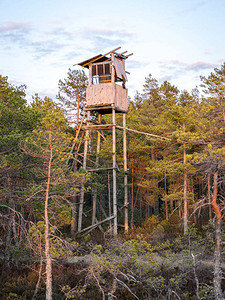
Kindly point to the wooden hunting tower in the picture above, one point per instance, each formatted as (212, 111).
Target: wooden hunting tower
(107, 82)
(107, 94)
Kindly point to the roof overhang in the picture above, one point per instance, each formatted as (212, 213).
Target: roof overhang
(95, 59)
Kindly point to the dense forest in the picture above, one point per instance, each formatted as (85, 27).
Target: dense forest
(174, 247)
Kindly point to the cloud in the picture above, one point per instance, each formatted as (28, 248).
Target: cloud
(107, 32)
(61, 32)
(192, 8)
(43, 48)
(14, 32)
(182, 66)
(72, 54)
(200, 65)
(168, 78)
(179, 72)
(222, 60)
(135, 64)
(100, 42)
(102, 38)
(7, 27)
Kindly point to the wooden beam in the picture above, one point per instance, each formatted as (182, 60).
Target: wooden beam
(99, 108)
(104, 126)
(129, 55)
(94, 127)
(125, 175)
(114, 171)
(141, 132)
(112, 51)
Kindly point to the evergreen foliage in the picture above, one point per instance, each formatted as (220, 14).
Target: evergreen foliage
(174, 248)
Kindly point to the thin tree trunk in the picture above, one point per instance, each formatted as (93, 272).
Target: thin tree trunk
(113, 290)
(73, 228)
(47, 239)
(109, 201)
(12, 204)
(8, 241)
(78, 110)
(74, 217)
(172, 204)
(95, 190)
(218, 241)
(132, 197)
(39, 280)
(166, 201)
(209, 197)
(94, 206)
(193, 198)
(185, 214)
(81, 206)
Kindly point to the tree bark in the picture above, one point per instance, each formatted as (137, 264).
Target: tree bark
(39, 280)
(166, 201)
(81, 206)
(185, 214)
(218, 241)
(209, 197)
(115, 225)
(132, 197)
(74, 217)
(47, 239)
(109, 201)
(95, 190)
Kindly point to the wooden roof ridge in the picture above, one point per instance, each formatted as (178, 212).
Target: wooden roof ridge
(101, 57)
(87, 62)
(96, 58)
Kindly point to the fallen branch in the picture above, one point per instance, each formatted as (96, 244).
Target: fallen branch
(95, 225)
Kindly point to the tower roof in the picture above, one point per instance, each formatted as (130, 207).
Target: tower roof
(96, 59)
(101, 58)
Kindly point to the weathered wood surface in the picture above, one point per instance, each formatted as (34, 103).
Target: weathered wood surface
(125, 175)
(107, 94)
(114, 172)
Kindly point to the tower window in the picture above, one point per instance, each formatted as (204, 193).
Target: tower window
(101, 73)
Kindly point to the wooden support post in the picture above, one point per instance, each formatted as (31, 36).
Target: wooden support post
(97, 162)
(113, 69)
(90, 75)
(125, 175)
(114, 171)
(84, 167)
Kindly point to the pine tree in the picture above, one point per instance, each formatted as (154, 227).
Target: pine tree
(49, 144)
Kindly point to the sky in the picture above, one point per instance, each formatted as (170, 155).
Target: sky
(174, 40)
